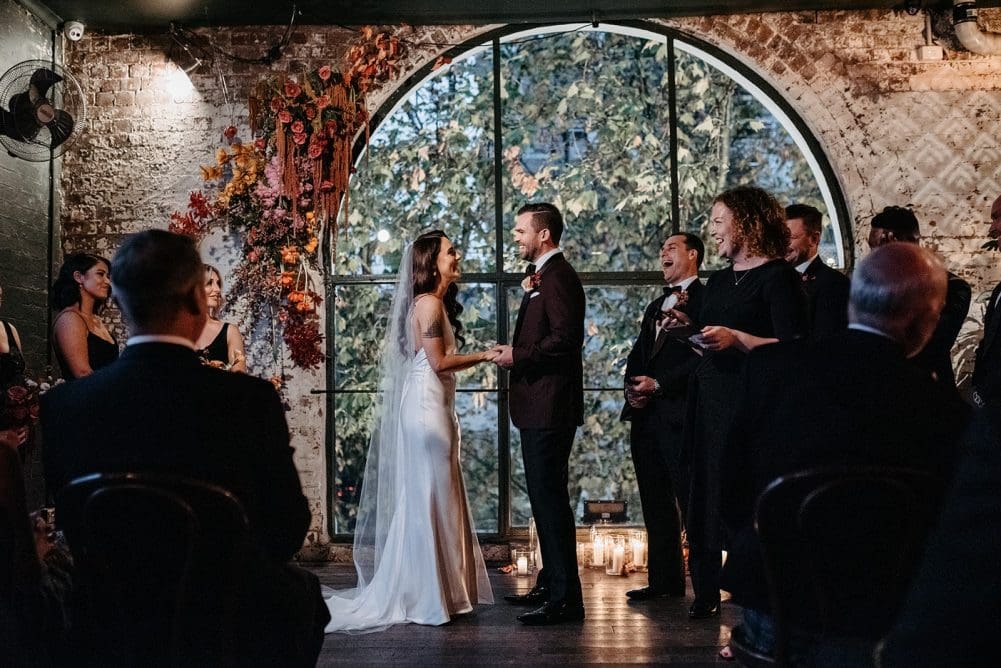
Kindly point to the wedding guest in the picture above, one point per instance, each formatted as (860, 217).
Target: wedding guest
(852, 398)
(987, 370)
(36, 582)
(11, 368)
(755, 301)
(896, 223)
(656, 390)
(158, 409)
(826, 289)
(952, 615)
(220, 343)
(82, 342)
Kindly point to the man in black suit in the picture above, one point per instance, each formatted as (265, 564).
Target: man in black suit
(656, 389)
(547, 405)
(852, 398)
(987, 370)
(895, 223)
(158, 409)
(826, 289)
(952, 616)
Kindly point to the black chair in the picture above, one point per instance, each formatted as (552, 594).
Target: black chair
(840, 546)
(159, 562)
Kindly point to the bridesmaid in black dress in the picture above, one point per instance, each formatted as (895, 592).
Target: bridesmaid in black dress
(81, 340)
(755, 301)
(220, 343)
(11, 368)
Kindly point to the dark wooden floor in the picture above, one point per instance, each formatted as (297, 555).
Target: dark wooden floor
(615, 631)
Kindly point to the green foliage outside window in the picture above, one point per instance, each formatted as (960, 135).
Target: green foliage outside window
(585, 121)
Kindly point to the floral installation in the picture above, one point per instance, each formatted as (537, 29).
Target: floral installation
(285, 190)
(20, 401)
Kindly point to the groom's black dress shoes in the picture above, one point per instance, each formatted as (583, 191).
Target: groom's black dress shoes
(700, 610)
(553, 613)
(537, 596)
(649, 593)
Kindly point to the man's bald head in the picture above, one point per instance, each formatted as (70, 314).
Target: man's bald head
(899, 289)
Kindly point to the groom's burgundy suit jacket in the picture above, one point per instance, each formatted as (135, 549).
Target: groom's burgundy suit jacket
(547, 379)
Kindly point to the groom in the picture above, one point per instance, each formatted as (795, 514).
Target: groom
(547, 405)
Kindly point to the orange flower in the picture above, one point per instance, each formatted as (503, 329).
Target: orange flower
(290, 254)
(311, 245)
(286, 279)
(211, 173)
(221, 156)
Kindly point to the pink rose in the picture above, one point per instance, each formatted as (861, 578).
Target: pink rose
(292, 90)
(284, 117)
(310, 112)
(298, 127)
(259, 144)
(323, 102)
(299, 138)
(229, 132)
(324, 72)
(315, 150)
(277, 104)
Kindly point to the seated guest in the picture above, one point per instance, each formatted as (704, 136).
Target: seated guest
(952, 616)
(158, 409)
(220, 343)
(826, 289)
(895, 223)
(35, 581)
(852, 398)
(82, 342)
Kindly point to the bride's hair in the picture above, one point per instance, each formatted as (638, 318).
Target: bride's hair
(425, 277)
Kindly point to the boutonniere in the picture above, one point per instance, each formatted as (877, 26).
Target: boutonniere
(808, 277)
(531, 282)
(682, 297)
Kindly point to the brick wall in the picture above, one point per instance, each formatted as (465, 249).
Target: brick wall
(895, 129)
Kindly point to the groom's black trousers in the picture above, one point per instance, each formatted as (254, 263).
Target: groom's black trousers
(546, 453)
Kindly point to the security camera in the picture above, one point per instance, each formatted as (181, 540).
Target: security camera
(73, 30)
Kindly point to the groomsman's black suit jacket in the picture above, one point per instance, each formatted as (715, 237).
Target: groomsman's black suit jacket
(852, 398)
(987, 371)
(937, 355)
(826, 291)
(158, 409)
(547, 379)
(668, 360)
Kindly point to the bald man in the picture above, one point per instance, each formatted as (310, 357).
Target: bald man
(853, 398)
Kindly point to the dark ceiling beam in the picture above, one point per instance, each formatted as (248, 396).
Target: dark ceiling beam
(147, 15)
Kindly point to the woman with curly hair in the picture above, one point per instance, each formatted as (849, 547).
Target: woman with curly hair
(81, 340)
(755, 301)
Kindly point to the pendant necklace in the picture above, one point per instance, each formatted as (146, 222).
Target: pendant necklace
(743, 275)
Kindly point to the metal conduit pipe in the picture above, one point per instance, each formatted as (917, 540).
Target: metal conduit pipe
(964, 20)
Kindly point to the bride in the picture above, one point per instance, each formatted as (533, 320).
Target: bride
(415, 547)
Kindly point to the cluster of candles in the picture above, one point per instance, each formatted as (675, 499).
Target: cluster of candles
(614, 551)
(611, 551)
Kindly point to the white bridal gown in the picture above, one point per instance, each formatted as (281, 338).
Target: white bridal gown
(431, 567)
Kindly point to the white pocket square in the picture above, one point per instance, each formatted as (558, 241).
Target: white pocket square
(534, 295)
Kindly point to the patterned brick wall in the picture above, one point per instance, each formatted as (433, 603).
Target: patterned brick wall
(897, 131)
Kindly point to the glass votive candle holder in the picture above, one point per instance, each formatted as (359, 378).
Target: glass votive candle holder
(638, 543)
(615, 555)
(522, 560)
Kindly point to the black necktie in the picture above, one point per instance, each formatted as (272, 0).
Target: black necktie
(529, 270)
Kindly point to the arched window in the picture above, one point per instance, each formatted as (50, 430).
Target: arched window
(631, 131)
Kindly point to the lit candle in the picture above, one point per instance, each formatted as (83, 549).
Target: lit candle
(599, 551)
(522, 565)
(618, 558)
(639, 552)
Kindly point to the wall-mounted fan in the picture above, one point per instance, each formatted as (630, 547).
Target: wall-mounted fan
(42, 110)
